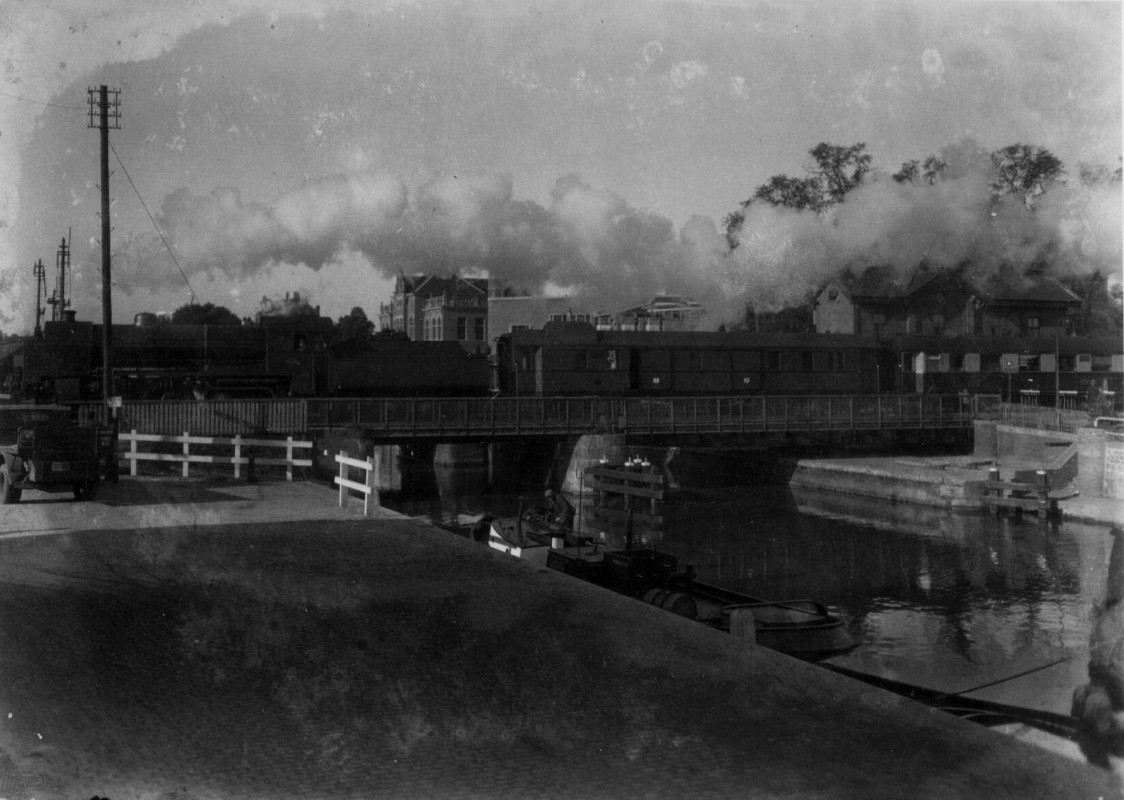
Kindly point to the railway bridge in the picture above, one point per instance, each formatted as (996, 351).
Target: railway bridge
(404, 420)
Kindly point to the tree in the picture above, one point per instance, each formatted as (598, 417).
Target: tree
(835, 171)
(840, 169)
(204, 314)
(1024, 170)
(929, 171)
(354, 326)
(799, 193)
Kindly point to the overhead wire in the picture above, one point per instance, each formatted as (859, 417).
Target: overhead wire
(160, 233)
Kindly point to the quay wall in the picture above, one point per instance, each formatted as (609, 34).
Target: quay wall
(895, 480)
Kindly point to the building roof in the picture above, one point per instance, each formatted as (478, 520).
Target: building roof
(884, 283)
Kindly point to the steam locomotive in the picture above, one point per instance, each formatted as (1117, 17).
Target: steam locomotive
(278, 356)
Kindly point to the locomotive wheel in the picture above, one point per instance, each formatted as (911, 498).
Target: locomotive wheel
(8, 493)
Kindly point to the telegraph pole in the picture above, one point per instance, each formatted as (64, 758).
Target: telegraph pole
(62, 261)
(40, 295)
(108, 115)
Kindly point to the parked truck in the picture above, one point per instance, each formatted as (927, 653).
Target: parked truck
(44, 448)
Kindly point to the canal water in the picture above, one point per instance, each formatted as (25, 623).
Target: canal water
(997, 607)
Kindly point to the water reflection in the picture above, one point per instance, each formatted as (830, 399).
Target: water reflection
(945, 599)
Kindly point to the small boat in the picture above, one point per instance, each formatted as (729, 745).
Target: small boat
(800, 628)
(529, 535)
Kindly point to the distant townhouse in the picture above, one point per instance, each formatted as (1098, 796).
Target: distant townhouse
(429, 308)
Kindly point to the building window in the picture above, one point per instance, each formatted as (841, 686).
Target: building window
(1032, 325)
(514, 328)
(462, 329)
(478, 324)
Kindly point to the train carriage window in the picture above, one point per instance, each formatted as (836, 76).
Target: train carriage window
(745, 360)
(836, 361)
(1102, 363)
(807, 363)
(1028, 362)
(773, 360)
(714, 360)
(601, 359)
(655, 359)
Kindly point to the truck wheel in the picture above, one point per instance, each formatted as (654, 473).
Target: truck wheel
(85, 491)
(8, 493)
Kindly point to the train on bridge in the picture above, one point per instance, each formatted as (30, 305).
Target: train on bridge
(294, 356)
(572, 358)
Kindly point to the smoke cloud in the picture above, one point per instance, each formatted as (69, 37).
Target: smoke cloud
(591, 242)
(1070, 229)
(609, 254)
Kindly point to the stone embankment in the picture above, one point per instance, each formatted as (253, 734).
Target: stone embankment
(1085, 463)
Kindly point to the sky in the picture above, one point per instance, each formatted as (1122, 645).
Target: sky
(582, 148)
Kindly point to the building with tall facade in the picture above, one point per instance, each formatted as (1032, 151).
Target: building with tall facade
(429, 308)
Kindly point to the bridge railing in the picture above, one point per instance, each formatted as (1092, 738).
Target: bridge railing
(547, 416)
(205, 417)
(783, 414)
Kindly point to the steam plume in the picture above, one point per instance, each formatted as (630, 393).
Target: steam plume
(610, 254)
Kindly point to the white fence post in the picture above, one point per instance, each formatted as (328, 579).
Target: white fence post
(371, 479)
(342, 478)
(133, 452)
(186, 452)
(372, 487)
(238, 456)
(289, 458)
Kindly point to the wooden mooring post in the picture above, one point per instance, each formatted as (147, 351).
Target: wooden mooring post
(1033, 496)
(626, 484)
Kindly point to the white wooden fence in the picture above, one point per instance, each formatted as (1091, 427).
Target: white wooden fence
(372, 473)
(291, 446)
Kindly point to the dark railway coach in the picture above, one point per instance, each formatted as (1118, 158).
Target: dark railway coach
(574, 358)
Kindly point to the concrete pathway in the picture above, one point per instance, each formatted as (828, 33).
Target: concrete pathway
(230, 641)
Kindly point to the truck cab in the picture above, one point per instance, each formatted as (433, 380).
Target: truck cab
(43, 448)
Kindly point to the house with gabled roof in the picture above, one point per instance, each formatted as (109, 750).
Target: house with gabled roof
(880, 303)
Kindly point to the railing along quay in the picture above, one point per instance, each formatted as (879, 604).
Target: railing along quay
(497, 417)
